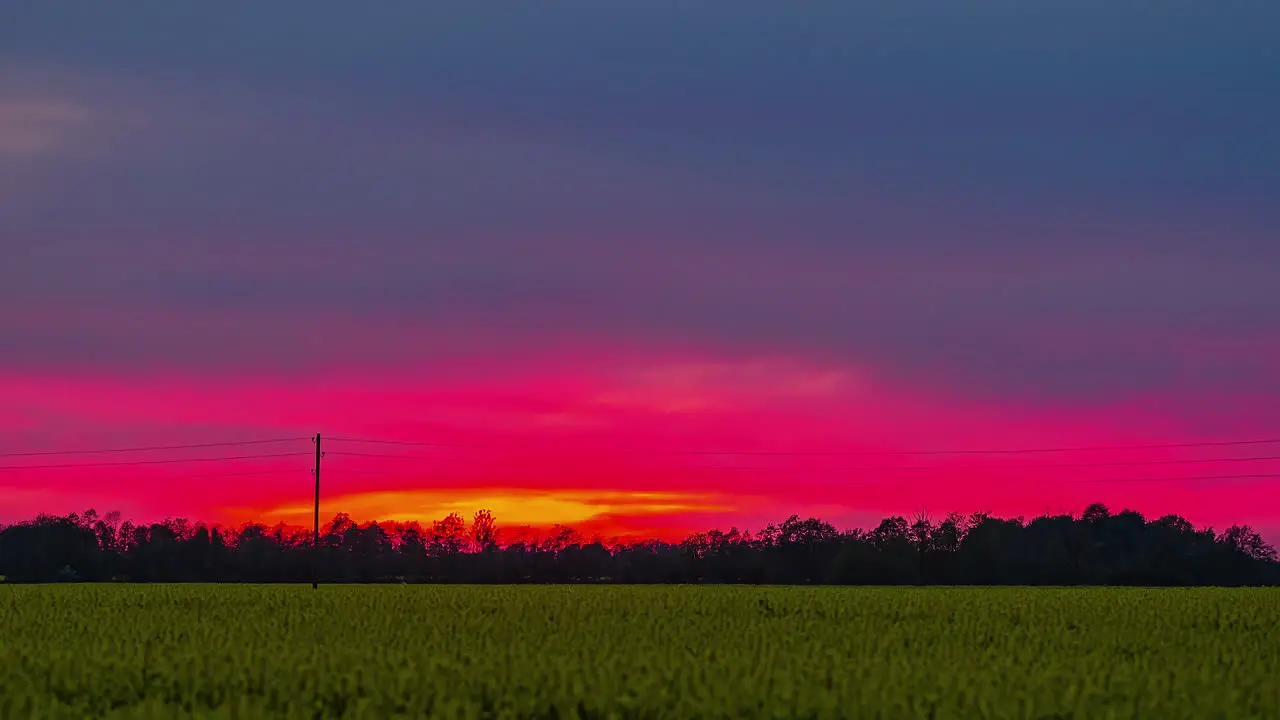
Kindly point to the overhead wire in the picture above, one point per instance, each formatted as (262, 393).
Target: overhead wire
(169, 461)
(248, 473)
(995, 451)
(874, 453)
(360, 471)
(779, 453)
(1025, 466)
(1260, 476)
(375, 441)
(397, 457)
(903, 453)
(1104, 481)
(890, 468)
(869, 483)
(194, 446)
(275, 471)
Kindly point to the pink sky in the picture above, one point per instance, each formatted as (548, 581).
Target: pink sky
(599, 441)
(608, 232)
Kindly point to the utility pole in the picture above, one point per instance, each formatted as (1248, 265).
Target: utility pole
(315, 538)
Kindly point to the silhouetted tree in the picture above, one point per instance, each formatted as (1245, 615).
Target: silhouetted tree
(1247, 541)
(1098, 548)
(484, 531)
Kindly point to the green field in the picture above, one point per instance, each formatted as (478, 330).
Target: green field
(78, 651)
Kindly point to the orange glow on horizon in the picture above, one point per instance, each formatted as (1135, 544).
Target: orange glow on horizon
(511, 507)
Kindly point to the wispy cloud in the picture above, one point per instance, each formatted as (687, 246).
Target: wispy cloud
(877, 224)
(29, 127)
(513, 507)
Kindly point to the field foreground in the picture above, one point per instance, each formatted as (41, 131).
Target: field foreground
(170, 651)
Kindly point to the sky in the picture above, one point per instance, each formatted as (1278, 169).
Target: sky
(575, 244)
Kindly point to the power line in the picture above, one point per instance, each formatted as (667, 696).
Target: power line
(1107, 481)
(147, 462)
(201, 476)
(398, 457)
(1032, 466)
(1260, 476)
(277, 471)
(1015, 451)
(882, 453)
(357, 471)
(888, 468)
(1176, 479)
(401, 442)
(148, 449)
(677, 453)
(763, 453)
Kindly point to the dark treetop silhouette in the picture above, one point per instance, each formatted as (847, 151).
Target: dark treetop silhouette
(1099, 548)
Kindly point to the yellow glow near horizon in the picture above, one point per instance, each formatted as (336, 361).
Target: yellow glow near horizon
(509, 507)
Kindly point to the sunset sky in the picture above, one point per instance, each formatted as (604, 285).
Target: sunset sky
(593, 248)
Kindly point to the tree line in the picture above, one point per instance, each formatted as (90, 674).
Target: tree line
(1097, 548)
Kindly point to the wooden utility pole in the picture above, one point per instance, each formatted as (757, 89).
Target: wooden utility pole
(315, 538)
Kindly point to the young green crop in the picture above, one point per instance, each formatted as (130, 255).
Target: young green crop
(76, 651)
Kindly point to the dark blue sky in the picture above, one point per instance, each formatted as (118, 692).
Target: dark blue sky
(1070, 201)
(601, 224)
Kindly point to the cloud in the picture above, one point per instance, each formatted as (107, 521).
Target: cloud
(886, 209)
(687, 387)
(29, 127)
(512, 507)
(625, 469)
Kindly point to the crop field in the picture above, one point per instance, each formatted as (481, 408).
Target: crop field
(171, 651)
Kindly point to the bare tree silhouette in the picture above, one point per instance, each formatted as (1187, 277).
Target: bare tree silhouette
(1098, 548)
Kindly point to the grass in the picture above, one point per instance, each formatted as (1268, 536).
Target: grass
(171, 651)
